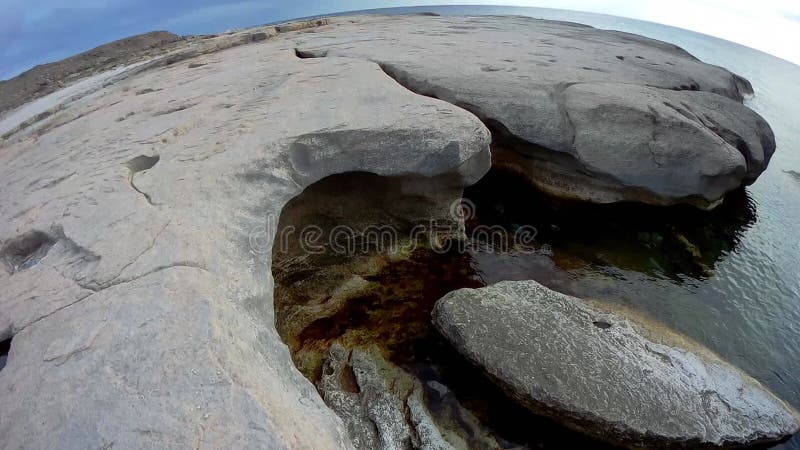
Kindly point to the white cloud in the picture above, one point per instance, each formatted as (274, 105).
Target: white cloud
(772, 26)
(225, 13)
(764, 26)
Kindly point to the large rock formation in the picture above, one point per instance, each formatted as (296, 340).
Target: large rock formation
(135, 226)
(138, 205)
(605, 373)
(584, 113)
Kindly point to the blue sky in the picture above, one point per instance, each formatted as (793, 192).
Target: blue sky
(37, 31)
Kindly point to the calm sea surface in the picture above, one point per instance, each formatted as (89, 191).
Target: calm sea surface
(745, 302)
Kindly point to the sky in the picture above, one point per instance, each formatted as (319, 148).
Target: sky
(38, 31)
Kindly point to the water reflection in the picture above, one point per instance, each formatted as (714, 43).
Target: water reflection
(718, 277)
(679, 243)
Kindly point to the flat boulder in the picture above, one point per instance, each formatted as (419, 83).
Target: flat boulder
(608, 374)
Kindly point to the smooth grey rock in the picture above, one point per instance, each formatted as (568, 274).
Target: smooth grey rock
(590, 114)
(147, 321)
(606, 373)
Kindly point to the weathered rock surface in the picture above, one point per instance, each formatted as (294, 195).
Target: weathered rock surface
(140, 307)
(605, 373)
(382, 406)
(596, 115)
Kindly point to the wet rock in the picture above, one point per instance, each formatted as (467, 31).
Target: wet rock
(380, 404)
(608, 374)
(372, 222)
(460, 426)
(587, 114)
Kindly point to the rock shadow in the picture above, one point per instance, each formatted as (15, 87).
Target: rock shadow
(5, 347)
(26, 250)
(675, 242)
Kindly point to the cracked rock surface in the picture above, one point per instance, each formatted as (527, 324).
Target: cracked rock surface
(590, 114)
(147, 321)
(612, 375)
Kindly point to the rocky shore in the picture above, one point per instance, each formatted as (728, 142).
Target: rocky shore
(140, 207)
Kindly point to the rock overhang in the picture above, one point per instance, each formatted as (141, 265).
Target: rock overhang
(532, 76)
